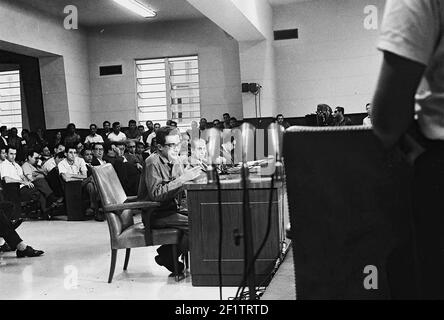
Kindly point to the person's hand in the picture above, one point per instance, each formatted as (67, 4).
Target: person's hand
(29, 184)
(139, 166)
(190, 174)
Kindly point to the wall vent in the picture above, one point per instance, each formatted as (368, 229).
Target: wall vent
(286, 34)
(110, 70)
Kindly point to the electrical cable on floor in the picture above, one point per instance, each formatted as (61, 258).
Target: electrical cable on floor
(267, 233)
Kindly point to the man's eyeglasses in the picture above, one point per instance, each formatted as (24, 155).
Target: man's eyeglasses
(98, 149)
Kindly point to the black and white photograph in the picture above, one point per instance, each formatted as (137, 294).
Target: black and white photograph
(221, 157)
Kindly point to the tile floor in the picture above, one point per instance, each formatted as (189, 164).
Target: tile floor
(76, 265)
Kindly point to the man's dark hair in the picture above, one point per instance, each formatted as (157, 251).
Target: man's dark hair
(3, 129)
(279, 115)
(60, 155)
(368, 104)
(173, 123)
(92, 124)
(30, 153)
(131, 121)
(138, 143)
(162, 133)
(168, 122)
(57, 145)
(9, 148)
(115, 124)
(157, 123)
(71, 125)
(226, 114)
(140, 126)
(233, 118)
(93, 146)
(82, 153)
(105, 122)
(70, 146)
(341, 109)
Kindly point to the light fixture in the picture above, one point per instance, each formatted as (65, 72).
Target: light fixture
(137, 7)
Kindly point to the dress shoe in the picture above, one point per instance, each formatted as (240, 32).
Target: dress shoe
(99, 216)
(89, 212)
(5, 248)
(29, 252)
(169, 264)
(16, 223)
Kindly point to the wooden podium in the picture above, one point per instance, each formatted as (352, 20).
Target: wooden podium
(204, 231)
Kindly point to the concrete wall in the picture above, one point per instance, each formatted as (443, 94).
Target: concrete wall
(114, 97)
(65, 82)
(334, 61)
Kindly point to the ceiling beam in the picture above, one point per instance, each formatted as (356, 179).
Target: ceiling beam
(244, 20)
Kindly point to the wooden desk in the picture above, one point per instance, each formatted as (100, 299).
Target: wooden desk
(204, 232)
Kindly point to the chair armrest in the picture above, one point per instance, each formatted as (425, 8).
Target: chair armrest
(131, 199)
(131, 205)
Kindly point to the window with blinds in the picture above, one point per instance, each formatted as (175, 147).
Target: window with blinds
(168, 88)
(10, 102)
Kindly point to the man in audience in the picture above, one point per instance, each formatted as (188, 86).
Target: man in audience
(11, 173)
(36, 176)
(98, 150)
(151, 140)
(10, 240)
(226, 117)
(2, 154)
(233, 122)
(46, 154)
(51, 163)
(141, 155)
(130, 155)
(340, 119)
(52, 176)
(71, 137)
(162, 183)
(281, 121)
(216, 124)
(116, 135)
(132, 132)
(88, 156)
(141, 129)
(146, 134)
(93, 137)
(106, 130)
(368, 120)
(3, 136)
(74, 168)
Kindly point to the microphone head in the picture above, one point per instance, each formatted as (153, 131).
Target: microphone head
(276, 139)
(247, 140)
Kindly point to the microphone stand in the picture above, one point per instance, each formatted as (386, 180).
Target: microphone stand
(248, 235)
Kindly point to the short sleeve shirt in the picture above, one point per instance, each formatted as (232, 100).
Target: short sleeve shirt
(116, 138)
(413, 29)
(11, 170)
(77, 167)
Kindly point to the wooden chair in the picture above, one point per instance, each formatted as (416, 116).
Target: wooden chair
(124, 233)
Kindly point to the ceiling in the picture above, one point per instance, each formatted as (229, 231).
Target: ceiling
(105, 12)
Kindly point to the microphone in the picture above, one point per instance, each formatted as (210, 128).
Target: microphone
(213, 153)
(275, 147)
(247, 141)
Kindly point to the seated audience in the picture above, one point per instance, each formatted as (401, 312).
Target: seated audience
(226, 122)
(150, 129)
(116, 135)
(368, 120)
(3, 136)
(199, 155)
(93, 137)
(36, 176)
(10, 240)
(281, 121)
(106, 130)
(162, 183)
(71, 138)
(98, 150)
(74, 168)
(324, 115)
(340, 119)
(131, 156)
(11, 173)
(141, 129)
(53, 176)
(51, 163)
(57, 140)
(132, 132)
(233, 122)
(141, 153)
(46, 154)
